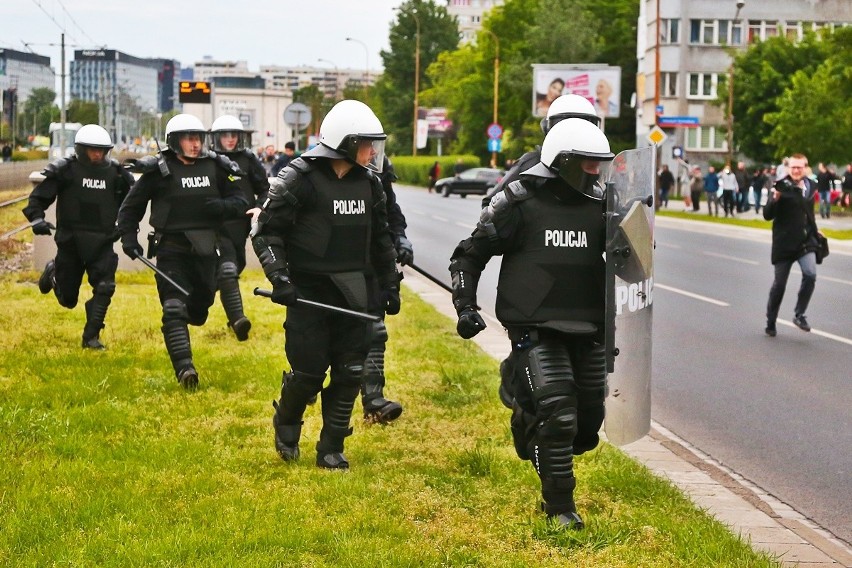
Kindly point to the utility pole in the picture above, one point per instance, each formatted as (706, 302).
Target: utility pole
(416, 82)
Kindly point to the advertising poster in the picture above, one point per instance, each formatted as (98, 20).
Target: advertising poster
(601, 85)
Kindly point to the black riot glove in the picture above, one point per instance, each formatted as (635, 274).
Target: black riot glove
(283, 291)
(404, 251)
(130, 245)
(470, 323)
(390, 300)
(42, 227)
(216, 208)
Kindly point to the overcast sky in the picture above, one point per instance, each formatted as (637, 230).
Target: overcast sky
(282, 32)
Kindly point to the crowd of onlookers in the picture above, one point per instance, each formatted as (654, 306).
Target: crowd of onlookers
(738, 189)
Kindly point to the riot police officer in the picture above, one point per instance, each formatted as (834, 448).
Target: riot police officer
(228, 137)
(550, 228)
(89, 188)
(566, 106)
(322, 227)
(191, 194)
(376, 407)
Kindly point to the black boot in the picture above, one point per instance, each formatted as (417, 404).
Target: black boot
(286, 436)
(376, 407)
(330, 448)
(176, 335)
(558, 494)
(232, 301)
(47, 280)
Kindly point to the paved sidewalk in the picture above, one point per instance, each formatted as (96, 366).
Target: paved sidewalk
(749, 511)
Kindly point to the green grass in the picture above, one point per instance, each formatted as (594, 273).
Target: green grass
(107, 462)
(843, 235)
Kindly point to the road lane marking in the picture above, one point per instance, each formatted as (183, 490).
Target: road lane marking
(442, 219)
(465, 225)
(691, 295)
(823, 277)
(668, 245)
(734, 258)
(820, 333)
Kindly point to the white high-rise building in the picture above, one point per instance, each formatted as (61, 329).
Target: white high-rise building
(469, 14)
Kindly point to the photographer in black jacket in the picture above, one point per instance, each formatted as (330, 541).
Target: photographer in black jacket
(791, 209)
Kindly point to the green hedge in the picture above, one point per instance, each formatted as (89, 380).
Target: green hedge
(414, 170)
(26, 155)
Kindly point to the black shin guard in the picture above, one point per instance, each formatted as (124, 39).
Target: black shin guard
(338, 399)
(96, 309)
(376, 407)
(286, 436)
(232, 301)
(176, 336)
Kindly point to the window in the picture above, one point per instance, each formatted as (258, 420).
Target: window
(716, 32)
(761, 29)
(669, 31)
(668, 84)
(702, 85)
(705, 138)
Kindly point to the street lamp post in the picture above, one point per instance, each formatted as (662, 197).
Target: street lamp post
(336, 76)
(367, 68)
(740, 4)
(496, 87)
(416, 82)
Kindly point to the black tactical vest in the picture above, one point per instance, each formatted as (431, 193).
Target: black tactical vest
(558, 273)
(334, 235)
(179, 205)
(89, 201)
(244, 160)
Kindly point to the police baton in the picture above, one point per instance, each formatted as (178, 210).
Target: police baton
(162, 274)
(429, 276)
(8, 234)
(321, 306)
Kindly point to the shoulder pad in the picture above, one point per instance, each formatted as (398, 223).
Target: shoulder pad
(502, 201)
(146, 164)
(54, 168)
(227, 164)
(300, 164)
(282, 188)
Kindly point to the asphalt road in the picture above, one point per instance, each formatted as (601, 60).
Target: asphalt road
(775, 410)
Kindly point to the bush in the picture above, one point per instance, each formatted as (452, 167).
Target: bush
(26, 155)
(414, 170)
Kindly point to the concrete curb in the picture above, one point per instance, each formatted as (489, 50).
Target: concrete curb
(758, 518)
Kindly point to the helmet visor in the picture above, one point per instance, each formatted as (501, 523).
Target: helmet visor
(583, 172)
(368, 152)
(225, 141)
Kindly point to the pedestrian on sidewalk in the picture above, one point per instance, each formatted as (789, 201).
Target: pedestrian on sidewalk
(711, 189)
(696, 187)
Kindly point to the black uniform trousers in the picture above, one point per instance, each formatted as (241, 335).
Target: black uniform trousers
(195, 273)
(233, 248)
(70, 267)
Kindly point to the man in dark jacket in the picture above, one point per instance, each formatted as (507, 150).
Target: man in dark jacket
(790, 207)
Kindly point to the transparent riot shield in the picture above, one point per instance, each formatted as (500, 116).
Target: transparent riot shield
(629, 294)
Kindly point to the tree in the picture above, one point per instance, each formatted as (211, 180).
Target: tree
(762, 74)
(39, 111)
(315, 100)
(84, 112)
(395, 89)
(813, 114)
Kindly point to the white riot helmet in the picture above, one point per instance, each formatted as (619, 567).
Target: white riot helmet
(569, 106)
(183, 124)
(92, 136)
(572, 151)
(352, 131)
(231, 125)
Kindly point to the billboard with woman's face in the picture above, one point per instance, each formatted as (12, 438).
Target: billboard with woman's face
(601, 85)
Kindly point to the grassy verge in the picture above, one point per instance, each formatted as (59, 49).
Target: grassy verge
(107, 462)
(844, 235)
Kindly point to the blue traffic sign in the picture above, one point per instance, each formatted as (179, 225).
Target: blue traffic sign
(674, 121)
(495, 131)
(495, 145)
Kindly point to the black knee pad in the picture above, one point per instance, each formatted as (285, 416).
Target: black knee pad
(522, 425)
(349, 371)
(174, 310)
(227, 270)
(301, 385)
(105, 288)
(550, 377)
